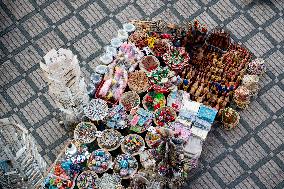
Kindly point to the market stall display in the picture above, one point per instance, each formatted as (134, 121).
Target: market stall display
(125, 165)
(99, 161)
(110, 139)
(117, 117)
(164, 116)
(96, 110)
(87, 179)
(138, 81)
(140, 120)
(133, 144)
(153, 101)
(130, 100)
(187, 79)
(85, 132)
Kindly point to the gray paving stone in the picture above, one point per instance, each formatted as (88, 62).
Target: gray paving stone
(35, 25)
(223, 9)
(25, 94)
(247, 183)
(186, 9)
(5, 21)
(258, 44)
(27, 58)
(206, 181)
(129, 13)
(56, 11)
(150, 6)
(71, 28)
(270, 174)
(13, 39)
(86, 46)
(272, 135)
(107, 31)
(240, 26)
(8, 72)
(228, 169)
(49, 41)
(93, 13)
(19, 8)
(261, 13)
(251, 152)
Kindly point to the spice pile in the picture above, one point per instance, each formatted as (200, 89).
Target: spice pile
(158, 91)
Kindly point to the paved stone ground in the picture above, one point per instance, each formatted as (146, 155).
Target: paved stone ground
(249, 157)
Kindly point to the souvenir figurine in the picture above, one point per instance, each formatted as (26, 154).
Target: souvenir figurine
(116, 42)
(106, 58)
(122, 34)
(71, 149)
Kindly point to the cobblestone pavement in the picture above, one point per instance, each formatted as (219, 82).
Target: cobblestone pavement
(250, 156)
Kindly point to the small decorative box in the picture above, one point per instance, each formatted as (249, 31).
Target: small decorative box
(191, 106)
(199, 132)
(187, 115)
(202, 124)
(207, 113)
